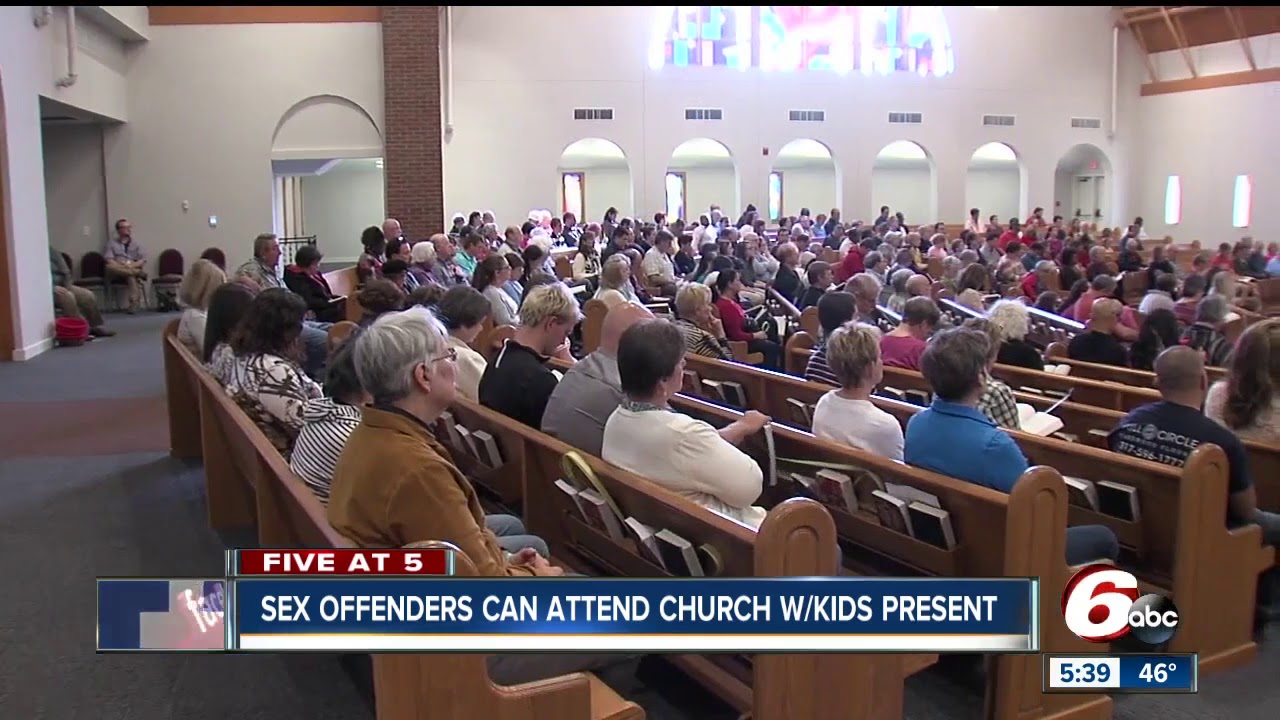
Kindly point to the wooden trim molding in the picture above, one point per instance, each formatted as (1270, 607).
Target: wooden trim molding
(252, 14)
(1206, 82)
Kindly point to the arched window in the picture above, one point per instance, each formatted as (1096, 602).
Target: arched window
(1242, 202)
(1173, 201)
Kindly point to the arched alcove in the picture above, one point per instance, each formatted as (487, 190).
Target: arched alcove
(593, 175)
(1082, 184)
(993, 182)
(904, 178)
(701, 173)
(804, 175)
(326, 126)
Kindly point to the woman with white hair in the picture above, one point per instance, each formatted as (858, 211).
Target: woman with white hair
(615, 282)
(422, 258)
(1013, 321)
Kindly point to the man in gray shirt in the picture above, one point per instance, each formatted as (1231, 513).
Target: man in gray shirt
(262, 271)
(591, 390)
(125, 259)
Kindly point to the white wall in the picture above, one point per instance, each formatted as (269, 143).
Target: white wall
(75, 189)
(31, 61)
(904, 190)
(495, 76)
(1208, 137)
(808, 187)
(994, 191)
(208, 102)
(337, 205)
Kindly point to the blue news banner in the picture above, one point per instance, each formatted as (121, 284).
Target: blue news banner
(634, 615)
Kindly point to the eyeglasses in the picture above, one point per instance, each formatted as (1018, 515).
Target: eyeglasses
(451, 355)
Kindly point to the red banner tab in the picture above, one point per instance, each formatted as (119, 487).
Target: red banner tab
(345, 562)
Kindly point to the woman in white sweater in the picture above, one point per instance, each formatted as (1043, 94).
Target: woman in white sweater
(463, 311)
(490, 277)
(194, 294)
(687, 456)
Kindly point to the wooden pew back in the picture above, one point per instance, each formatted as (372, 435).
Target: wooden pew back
(798, 538)
(998, 535)
(344, 281)
(1181, 529)
(247, 482)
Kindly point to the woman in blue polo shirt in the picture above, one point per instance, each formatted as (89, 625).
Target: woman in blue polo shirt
(952, 437)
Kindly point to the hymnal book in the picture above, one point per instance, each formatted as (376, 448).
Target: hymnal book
(1063, 369)
(892, 512)
(691, 383)
(865, 483)
(487, 448)
(1081, 493)
(911, 494)
(599, 515)
(451, 430)
(893, 393)
(678, 555)
(1118, 500)
(468, 443)
(571, 492)
(836, 489)
(801, 412)
(1037, 423)
(917, 397)
(932, 525)
(728, 392)
(646, 540)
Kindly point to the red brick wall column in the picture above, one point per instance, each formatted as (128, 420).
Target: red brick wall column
(413, 164)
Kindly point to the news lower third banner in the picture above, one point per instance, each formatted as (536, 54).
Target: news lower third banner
(569, 614)
(596, 614)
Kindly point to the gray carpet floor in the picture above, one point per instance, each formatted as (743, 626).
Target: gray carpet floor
(66, 519)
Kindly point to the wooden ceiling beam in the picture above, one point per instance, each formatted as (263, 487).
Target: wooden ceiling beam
(1178, 37)
(1146, 54)
(1156, 12)
(1238, 29)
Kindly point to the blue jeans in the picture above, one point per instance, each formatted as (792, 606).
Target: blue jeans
(315, 337)
(512, 535)
(1091, 542)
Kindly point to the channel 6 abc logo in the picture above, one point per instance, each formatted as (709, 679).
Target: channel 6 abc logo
(1101, 604)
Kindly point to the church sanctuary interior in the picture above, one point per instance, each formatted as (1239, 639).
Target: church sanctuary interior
(641, 292)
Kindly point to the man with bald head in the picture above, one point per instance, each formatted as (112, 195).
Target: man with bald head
(391, 230)
(1170, 430)
(591, 390)
(447, 272)
(1098, 344)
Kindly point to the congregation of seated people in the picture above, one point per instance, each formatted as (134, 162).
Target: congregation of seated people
(356, 420)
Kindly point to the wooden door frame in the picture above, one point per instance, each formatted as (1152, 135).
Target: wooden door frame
(8, 338)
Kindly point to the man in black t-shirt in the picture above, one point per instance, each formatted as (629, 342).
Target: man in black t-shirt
(1098, 344)
(518, 382)
(1168, 432)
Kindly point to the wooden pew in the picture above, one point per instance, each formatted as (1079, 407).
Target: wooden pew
(1057, 353)
(1114, 396)
(248, 482)
(345, 282)
(797, 538)
(182, 396)
(594, 312)
(1021, 534)
(1179, 542)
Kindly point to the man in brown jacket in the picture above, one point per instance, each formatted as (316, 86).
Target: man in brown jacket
(395, 485)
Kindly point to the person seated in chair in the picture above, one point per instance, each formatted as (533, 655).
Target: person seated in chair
(126, 260)
(72, 300)
(304, 278)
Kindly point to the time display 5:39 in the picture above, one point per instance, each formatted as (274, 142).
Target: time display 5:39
(1084, 672)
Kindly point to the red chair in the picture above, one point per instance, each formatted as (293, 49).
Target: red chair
(169, 276)
(215, 256)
